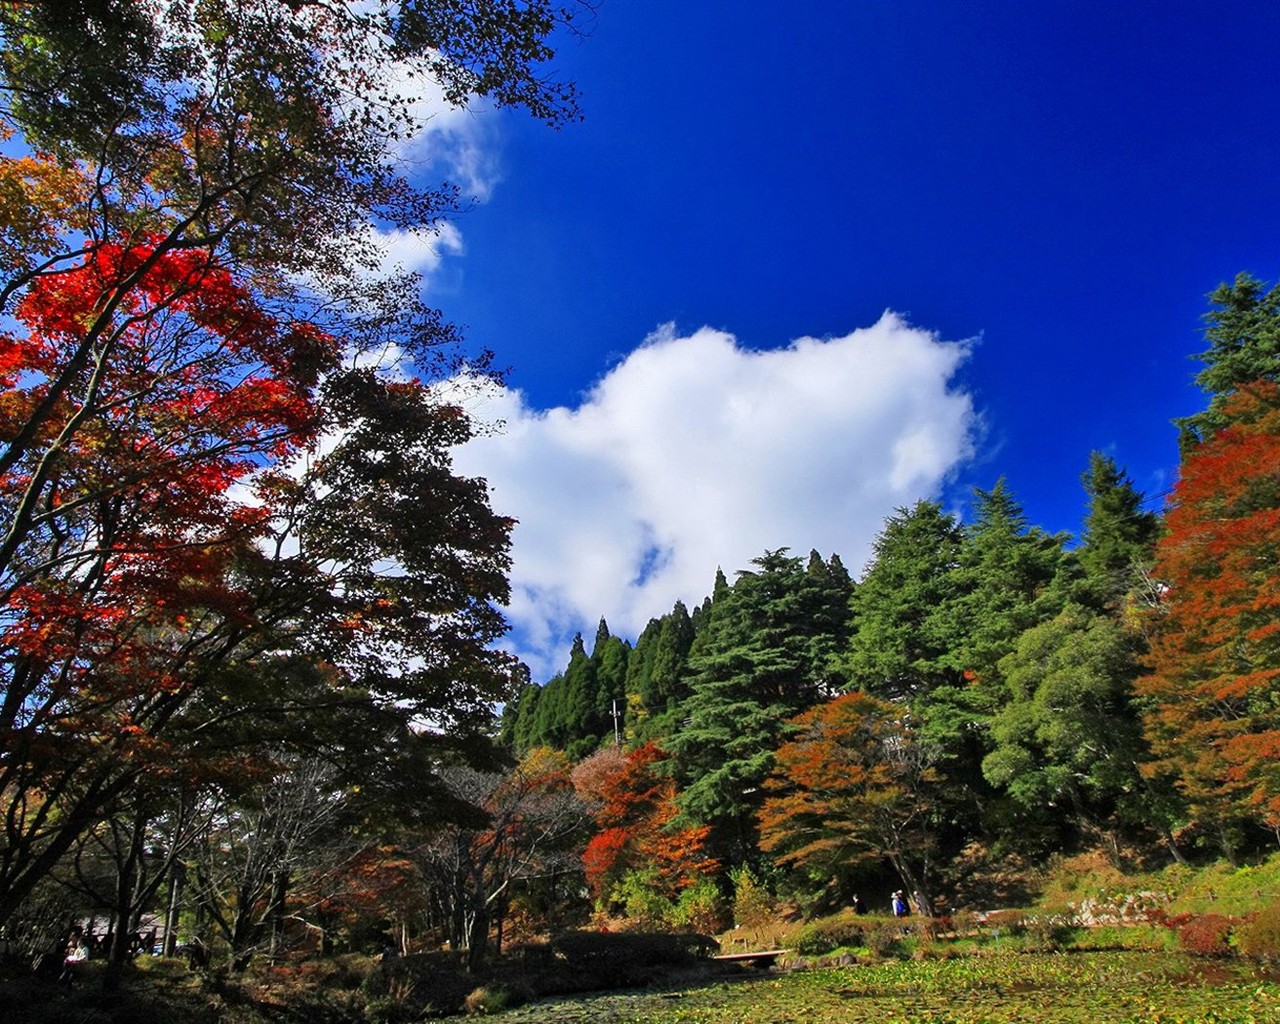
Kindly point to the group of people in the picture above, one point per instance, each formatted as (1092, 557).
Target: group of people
(76, 953)
(80, 945)
(901, 908)
(898, 903)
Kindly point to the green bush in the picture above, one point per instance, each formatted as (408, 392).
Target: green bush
(811, 940)
(824, 935)
(700, 908)
(642, 903)
(1259, 935)
(1131, 936)
(753, 906)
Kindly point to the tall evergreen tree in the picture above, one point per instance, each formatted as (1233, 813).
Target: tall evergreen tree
(1068, 738)
(581, 720)
(609, 658)
(519, 719)
(898, 646)
(763, 659)
(1003, 583)
(1119, 535)
(550, 715)
(1243, 331)
(657, 676)
(827, 592)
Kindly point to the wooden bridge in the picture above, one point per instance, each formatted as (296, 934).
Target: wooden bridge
(761, 960)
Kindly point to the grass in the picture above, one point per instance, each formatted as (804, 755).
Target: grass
(1115, 987)
(1217, 888)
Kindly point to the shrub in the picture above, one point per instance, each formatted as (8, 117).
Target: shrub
(700, 907)
(811, 940)
(1046, 933)
(1204, 934)
(1114, 936)
(884, 939)
(1007, 922)
(753, 906)
(403, 988)
(607, 960)
(642, 902)
(395, 1004)
(1259, 935)
(485, 1000)
(388, 1010)
(823, 936)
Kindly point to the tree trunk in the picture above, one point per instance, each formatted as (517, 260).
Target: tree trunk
(1173, 847)
(1227, 842)
(917, 895)
(279, 893)
(126, 897)
(171, 909)
(478, 936)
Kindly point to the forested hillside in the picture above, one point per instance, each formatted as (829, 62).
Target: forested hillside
(983, 684)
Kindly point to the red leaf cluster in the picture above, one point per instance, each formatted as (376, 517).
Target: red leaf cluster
(1214, 680)
(636, 821)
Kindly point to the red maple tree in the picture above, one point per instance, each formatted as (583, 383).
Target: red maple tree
(1214, 681)
(145, 389)
(636, 818)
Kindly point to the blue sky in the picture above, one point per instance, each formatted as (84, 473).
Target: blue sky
(1041, 192)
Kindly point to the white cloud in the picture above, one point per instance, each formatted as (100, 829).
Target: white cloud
(458, 142)
(694, 453)
(416, 251)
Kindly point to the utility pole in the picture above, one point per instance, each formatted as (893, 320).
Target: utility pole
(617, 738)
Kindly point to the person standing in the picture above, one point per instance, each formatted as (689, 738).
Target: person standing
(900, 907)
(77, 952)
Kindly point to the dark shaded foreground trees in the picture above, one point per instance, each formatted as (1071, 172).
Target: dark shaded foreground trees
(190, 279)
(522, 825)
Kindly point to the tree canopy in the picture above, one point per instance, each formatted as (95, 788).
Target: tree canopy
(230, 520)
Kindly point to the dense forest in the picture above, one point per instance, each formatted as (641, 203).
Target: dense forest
(249, 612)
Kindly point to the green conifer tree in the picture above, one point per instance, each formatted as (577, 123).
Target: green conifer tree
(761, 659)
(1119, 536)
(1243, 331)
(898, 646)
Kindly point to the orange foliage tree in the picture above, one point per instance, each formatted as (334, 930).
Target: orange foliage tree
(1214, 680)
(854, 783)
(636, 817)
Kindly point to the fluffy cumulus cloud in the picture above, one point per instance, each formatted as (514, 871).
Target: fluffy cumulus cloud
(695, 453)
(415, 251)
(459, 141)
